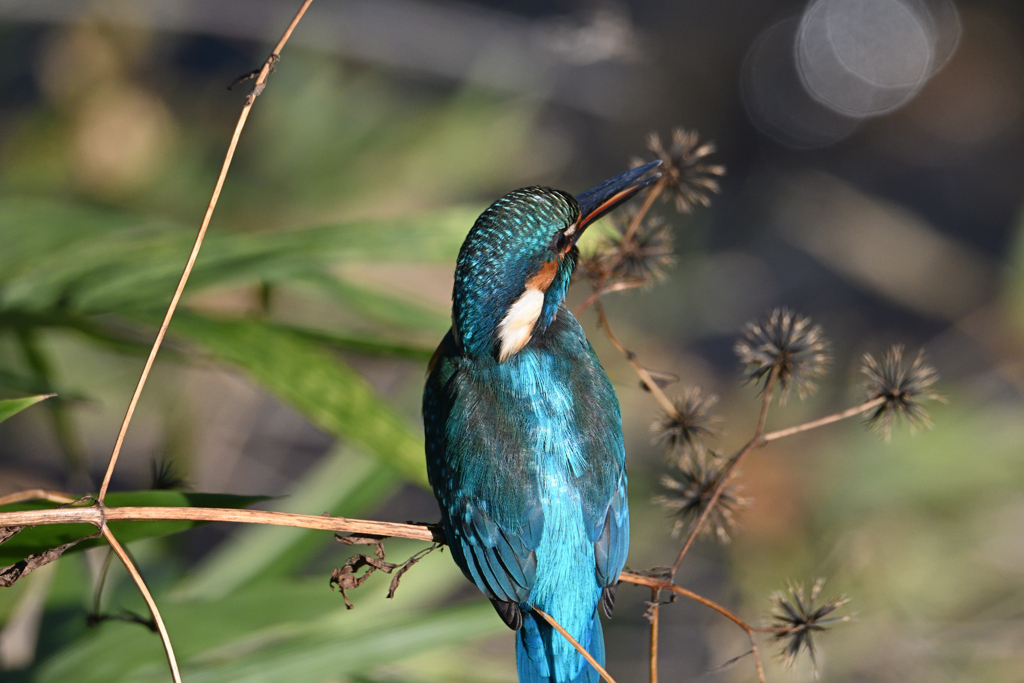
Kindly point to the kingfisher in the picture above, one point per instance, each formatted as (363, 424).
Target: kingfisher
(524, 433)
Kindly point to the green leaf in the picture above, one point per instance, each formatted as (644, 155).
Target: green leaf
(230, 637)
(360, 344)
(96, 261)
(318, 384)
(13, 406)
(385, 308)
(344, 483)
(40, 538)
(324, 656)
(274, 635)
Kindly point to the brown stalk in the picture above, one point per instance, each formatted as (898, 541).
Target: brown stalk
(261, 80)
(600, 290)
(821, 422)
(657, 585)
(641, 371)
(594, 295)
(582, 650)
(755, 442)
(150, 602)
(649, 200)
(37, 494)
(97, 515)
(655, 612)
(634, 224)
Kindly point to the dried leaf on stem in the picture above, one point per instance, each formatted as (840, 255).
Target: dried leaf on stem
(9, 575)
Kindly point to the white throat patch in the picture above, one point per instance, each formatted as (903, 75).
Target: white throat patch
(516, 328)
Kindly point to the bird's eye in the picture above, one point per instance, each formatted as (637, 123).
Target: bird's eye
(561, 241)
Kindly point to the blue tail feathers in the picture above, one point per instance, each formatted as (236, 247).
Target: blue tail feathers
(544, 656)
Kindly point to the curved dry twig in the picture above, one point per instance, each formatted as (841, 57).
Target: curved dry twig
(37, 494)
(260, 84)
(727, 474)
(641, 371)
(658, 585)
(572, 641)
(172, 662)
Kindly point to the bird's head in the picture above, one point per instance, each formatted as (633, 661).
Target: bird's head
(515, 265)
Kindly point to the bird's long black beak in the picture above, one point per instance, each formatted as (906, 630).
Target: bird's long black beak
(597, 201)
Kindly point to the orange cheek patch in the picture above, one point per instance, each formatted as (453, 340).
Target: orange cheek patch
(544, 276)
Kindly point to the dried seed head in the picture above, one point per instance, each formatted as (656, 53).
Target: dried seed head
(685, 170)
(795, 620)
(690, 491)
(691, 425)
(643, 255)
(902, 388)
(637, 258)
(787, 343)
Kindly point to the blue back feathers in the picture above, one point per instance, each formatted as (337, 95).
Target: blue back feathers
(525, 456)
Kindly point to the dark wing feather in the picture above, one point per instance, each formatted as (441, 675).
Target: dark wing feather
(612, 545)
(482, 474)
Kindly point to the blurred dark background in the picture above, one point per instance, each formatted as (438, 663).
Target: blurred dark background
(875, 156)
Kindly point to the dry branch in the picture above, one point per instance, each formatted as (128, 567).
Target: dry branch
(172, 662)
(657, 585)
(96, 515)
(260, 84)
(572, 641)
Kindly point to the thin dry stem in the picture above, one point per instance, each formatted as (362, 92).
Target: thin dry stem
(634, 224)
(830, 419)
(96, 515)
(655, 612)
(645, 376)
(582, 650)
(257, 89)
(652, 196)
(150, 602)
(657, 585)
(58, 497)
(598, 292)
(756, 441)
(594, 295)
